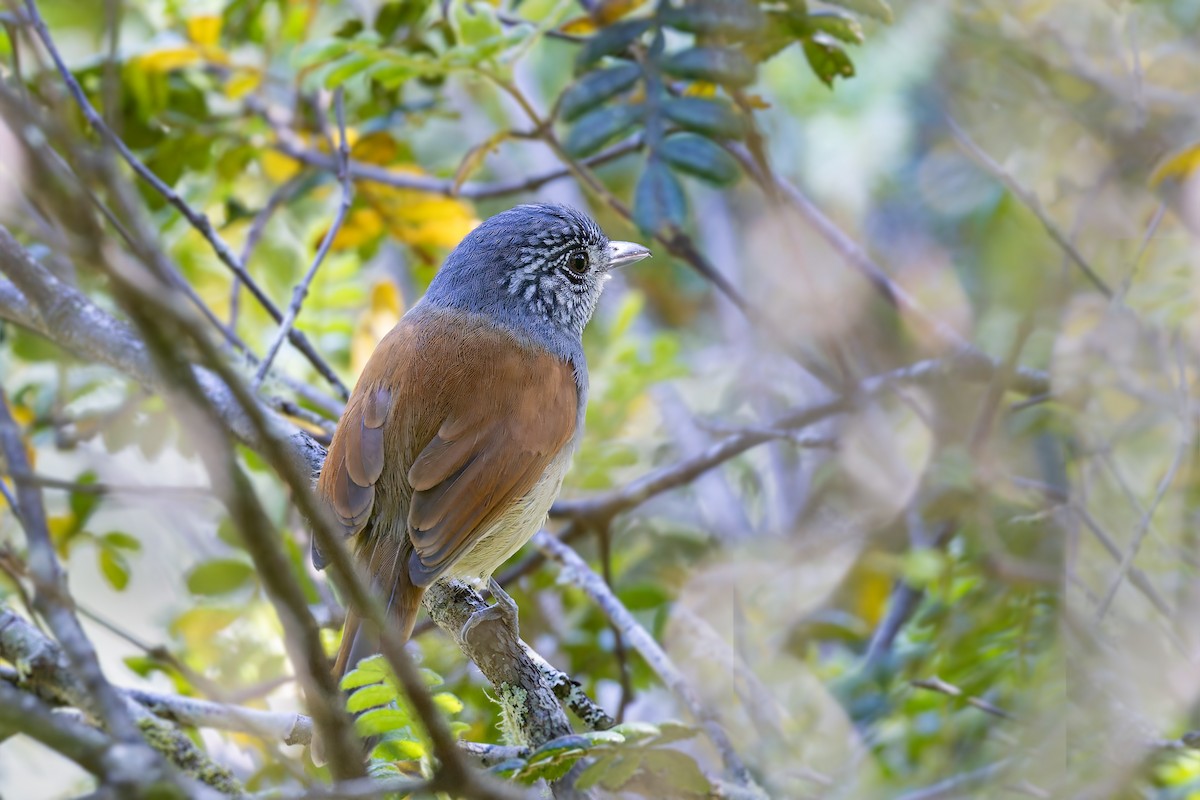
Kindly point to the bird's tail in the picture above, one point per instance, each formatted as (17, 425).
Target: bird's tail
(360, 640)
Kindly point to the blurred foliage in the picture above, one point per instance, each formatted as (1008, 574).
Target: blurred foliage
(1048, 545)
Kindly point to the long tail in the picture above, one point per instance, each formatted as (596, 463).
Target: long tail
(360, 639)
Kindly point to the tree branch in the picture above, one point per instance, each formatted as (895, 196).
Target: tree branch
(577, 572)
(52, 598)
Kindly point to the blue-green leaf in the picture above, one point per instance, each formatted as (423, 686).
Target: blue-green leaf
(597, 128)
(711, 64)
(696, 155)
(658, 201)
(712, 117)
(596, 87)
(733, 19)
(609, 41)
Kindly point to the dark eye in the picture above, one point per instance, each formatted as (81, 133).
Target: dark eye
(578, 262)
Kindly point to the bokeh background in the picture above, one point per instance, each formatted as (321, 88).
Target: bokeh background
(960, 579)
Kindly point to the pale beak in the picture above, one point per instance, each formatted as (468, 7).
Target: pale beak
(622, 254)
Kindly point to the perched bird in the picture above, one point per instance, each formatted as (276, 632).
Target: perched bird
(463, 422)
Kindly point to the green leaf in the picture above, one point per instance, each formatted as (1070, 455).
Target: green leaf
(679, 769)
(658, 201)
(399, 750)
(392, 16)
(608, 42)
(643, 596)
(114, 567)
(597, 128)
(622, 771)
(122, 541)
(475, 23)
(696, 155)
(711, 64)
(220, 576)
(636, 731)
(827, 59)
(592, 774)
(837, 24)
(670, 731)
(381, 720)
(448, 702)
(714, 118)
(370, 670)
(372, 696)
(319, 51)
(603, 738)
(879, 9)
(346, 68)
(82, 504)
(596, 87)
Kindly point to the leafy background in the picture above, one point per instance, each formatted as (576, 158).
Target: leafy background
(792, 554)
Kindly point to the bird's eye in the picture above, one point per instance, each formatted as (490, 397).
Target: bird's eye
(578, 262)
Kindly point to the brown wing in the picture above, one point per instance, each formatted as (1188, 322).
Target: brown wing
(451, 421)
(511, 411)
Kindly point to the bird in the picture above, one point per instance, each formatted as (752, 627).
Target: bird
(461, 427)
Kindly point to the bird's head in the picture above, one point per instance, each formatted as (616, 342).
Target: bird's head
(538, 268)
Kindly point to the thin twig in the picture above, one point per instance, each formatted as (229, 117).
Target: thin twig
(254, 234)
(1030, 200)
(52, 597)
(473, 191)
(98, 488)
(301, 290)
(1139, 534)
(936, 684)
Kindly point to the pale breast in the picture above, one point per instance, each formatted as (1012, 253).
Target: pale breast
(515, 527)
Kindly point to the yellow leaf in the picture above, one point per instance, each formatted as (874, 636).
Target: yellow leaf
(375, 148)
(241, 83)
(168, 59)
(418, 218)
(204, 30)
(609, 11)
(871, 600)
(382, 314)
(61, 527)
(1179, 166)
(579, 26)
(700, 89)
(362, 225)
(277, 166)
(23, 415)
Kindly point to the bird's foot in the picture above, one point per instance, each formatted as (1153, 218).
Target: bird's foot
(503, 613)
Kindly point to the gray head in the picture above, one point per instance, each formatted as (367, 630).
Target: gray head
(537, 269)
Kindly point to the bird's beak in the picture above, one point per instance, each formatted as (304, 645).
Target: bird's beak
(621, 254)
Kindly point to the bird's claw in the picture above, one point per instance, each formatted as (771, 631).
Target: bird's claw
(504, 613)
